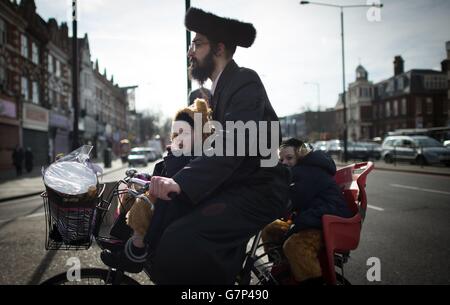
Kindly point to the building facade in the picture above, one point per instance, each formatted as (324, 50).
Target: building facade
(413, 99)
(58, 89)
(36, 108)
(112, 106)
(11, 25)
(358, 107)
(310, 126)
(447, 45)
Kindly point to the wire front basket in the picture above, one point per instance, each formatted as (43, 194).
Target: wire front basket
(70, 220)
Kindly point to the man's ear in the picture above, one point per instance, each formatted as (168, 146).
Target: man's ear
(219, 50)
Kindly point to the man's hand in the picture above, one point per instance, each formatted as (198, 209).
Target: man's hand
(162, 186)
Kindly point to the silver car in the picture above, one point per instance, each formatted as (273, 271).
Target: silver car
(137, 156)
(417, 149)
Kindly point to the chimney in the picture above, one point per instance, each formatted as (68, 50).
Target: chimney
(398, 65)
(445, 65)
(447, 46)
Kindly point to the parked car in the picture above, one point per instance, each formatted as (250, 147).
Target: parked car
(335, 147)
(138, 156)
(320, 145)
(151, 154)
(374, 150)
(357, 151)
(417, 149)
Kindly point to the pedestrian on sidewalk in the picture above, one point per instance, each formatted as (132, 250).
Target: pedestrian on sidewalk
(28, 160)
(17, 157)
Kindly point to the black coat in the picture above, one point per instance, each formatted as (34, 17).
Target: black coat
(239, 96)
(166, 211)
(233, 196)
(315, 192)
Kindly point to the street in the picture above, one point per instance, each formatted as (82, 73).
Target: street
(406, 228)
(23, 259)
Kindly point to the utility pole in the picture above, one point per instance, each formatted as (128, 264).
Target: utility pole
(342, 7)
(75, 143)
(188, 43)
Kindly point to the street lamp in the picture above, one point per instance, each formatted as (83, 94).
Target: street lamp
(188, 43)
(342, 7)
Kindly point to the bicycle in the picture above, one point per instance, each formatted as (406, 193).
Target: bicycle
(258, 265)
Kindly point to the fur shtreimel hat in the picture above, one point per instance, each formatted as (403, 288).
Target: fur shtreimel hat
(218, 29)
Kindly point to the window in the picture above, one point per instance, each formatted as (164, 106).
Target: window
(375, 111)
(35, 97)
(58, 68)
(50, 63)
(55, 99)
(34, 53)
(429, 105)
(2, 32)
(395, 108)
(388, 109)
(23, 45)
(24, 88)
(400, 84)
(366, 92)
(418, 105)
(2, 77)
(403, 106)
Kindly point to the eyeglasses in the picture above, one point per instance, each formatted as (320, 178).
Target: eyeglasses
(195, 45)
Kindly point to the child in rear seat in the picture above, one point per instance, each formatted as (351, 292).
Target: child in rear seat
(313, 194)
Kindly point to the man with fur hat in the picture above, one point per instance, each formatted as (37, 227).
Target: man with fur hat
(233, 197)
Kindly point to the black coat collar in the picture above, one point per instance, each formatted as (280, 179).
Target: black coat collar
(227, 74)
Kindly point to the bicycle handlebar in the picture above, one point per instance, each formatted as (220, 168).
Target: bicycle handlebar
(146, 186)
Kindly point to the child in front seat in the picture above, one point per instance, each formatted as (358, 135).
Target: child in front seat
(147, 225)
(313, 194)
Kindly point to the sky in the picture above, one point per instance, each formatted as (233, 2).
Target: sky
(297, 51)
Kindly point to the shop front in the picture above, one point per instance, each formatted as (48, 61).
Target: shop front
(59, 141)
(9, 132)
(35, 132)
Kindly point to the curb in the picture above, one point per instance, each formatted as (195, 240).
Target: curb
(411, 171)
(38, 193)
(20, 196)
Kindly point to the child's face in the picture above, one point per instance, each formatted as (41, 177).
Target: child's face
(182, 137)
(288, 156)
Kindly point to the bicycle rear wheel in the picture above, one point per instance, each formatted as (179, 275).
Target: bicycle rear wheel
(93, 276)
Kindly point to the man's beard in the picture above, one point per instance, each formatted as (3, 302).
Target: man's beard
(201, 72)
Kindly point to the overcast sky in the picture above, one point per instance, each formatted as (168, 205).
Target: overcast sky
(142, 42)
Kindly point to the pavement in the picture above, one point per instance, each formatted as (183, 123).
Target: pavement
(437, 170)
(31, 184)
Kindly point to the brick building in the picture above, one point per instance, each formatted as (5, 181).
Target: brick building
(412, 99)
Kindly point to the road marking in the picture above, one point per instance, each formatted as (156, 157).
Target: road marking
(419, 189)
(375, 208)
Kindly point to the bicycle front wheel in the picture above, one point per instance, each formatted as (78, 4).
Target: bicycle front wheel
(93, 276)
